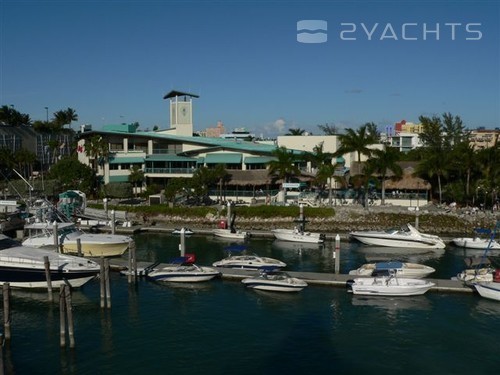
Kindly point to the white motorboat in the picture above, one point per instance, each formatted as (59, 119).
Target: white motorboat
(490, 290)
(274, 281)
(231, 234)
(246, 261)
(24, 267)
(183, 230)
(402, 269)
(388, 286)
(180, 270)
(478, 269)
(41, 234)
(476, 243)
(408, 237)
(297, 235)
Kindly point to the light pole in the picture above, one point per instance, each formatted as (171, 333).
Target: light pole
(47, 113)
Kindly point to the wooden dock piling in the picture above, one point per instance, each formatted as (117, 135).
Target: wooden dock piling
(336, 254)
(6, 311)
(62, 317)
(48, 278)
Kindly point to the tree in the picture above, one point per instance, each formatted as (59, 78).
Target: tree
(65, 117)
(10, 116)
(283, 166)
(295, 131)
(25, 160)
(328, 129)
(384, 161)
(73, 175)
(358, 141)
(322, 161)
(136, 177)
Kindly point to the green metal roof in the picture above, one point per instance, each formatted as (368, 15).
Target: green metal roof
(258, 159)
(118, 178)
(226, 158)
(127, 160)
(169, 157)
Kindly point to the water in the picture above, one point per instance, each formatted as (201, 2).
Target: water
(220, 328)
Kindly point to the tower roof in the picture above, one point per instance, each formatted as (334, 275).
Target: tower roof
(174, 93)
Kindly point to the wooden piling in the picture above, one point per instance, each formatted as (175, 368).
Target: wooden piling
(79, 246)
(107, 286)
(47, 277)
(6, 311)
(56, 235)
(336, 254)
(102, 284)
(132, 263)
(69, 312)
(113, 221)
(62, 316)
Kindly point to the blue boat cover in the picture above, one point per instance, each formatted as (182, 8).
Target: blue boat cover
(388, 265)
(235, 248)
(178, 260)
(482, 231)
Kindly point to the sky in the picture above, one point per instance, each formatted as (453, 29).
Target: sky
(378, 61)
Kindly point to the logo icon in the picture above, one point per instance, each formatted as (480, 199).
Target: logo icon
(312, 31)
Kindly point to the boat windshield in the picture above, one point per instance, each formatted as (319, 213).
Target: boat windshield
(7, 243)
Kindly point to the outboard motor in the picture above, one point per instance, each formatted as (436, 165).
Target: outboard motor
(348, 285)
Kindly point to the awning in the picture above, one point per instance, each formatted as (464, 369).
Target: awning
(127, 160)
(118, 178)
(226, 158)
(169, 157)
(258, 159)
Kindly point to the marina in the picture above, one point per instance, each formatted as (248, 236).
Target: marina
(187, 325)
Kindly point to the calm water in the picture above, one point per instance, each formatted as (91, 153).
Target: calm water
(221, 328)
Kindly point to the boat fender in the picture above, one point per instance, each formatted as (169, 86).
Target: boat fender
(496, 275)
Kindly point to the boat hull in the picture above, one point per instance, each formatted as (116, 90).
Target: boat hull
(475, 243)
(226, 233)
(183, 274)
(274, 286)
(382, 286)
(489, 290)
(375, 240)
(96, 249)
(19, 277)
(294, 236)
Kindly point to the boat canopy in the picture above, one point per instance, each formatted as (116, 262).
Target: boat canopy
(388, 265)
(235, 248)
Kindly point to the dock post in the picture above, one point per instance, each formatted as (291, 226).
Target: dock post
(416, 217)
(132, 263)
(336, 254)
(113, 219)
(182, 245)
(6, 311)
(69, 312)
(56, 238)
(107, 286)
(102, 284)
(47, 277)
(79, 246)
(62, 317)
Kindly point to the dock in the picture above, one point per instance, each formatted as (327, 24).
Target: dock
(312, 278)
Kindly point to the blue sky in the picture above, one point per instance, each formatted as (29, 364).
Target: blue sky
(112, 61)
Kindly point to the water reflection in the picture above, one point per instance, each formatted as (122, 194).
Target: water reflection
(393, 303)
(380, 253)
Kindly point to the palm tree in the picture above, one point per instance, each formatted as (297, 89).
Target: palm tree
(25, 160)
(136, 177)
(295, 131)
(358, 141)
(65, 117)
(384, 161)
(283, 165)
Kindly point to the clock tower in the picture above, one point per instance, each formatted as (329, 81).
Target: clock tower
(181, 112)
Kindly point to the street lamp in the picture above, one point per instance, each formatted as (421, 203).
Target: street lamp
(47, 113)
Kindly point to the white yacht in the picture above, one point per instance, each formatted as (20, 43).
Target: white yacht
(406, 237)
